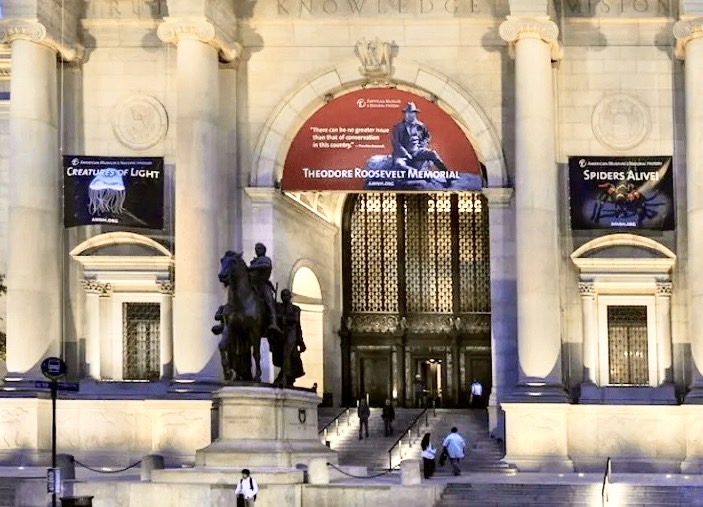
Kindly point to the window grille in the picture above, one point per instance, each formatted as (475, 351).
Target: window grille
(628, 360)
(141, 335)
(418, 253)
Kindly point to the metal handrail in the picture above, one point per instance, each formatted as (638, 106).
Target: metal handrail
(335, 421)
(606, 481)
(399, 442)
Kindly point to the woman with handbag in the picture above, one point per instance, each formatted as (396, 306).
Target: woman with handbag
(428, 456)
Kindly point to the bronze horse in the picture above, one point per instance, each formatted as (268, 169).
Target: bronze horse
(243, 318)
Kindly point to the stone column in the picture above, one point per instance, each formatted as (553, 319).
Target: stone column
(197, 289)
(503, 315)
(166, 328)
(689, 47)
(34, 254)
(533, 41)
(94, 290)
(590, 333)
(664, 355)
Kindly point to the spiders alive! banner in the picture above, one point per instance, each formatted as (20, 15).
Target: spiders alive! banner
(621, 193)
(122, 191)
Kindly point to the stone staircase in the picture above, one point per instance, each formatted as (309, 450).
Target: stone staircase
(553, 495)
(483, 454)
(326, 415)
(370, 452)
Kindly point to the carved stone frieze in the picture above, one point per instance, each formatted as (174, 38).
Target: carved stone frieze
(685, 31)
(12, 29)
(376, 60)
(125, 9)
(430, 324)
(515, 28)
(173, 30)
(96, 287)
(373, 323)
(140, 122)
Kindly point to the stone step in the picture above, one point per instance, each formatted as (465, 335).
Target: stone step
(561, 495)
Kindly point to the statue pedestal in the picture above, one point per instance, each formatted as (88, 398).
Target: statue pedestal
(265, 427)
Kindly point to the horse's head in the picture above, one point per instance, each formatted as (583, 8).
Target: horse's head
(228, 263)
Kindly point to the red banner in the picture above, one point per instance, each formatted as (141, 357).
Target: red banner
(381, 139)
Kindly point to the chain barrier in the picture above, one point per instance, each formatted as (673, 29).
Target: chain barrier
(107, 471)
(358, 476)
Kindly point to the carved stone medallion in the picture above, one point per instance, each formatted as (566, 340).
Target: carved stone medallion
(140, 122)
(620, 121)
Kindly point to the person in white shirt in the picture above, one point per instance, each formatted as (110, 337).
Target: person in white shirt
(454, 445)
(476, 391)
(246, 490)
(428, 456)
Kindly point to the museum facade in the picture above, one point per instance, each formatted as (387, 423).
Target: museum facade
(501, 190)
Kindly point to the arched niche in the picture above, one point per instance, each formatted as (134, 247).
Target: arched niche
(307, 294)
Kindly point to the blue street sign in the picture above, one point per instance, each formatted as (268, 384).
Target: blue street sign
(60, 386)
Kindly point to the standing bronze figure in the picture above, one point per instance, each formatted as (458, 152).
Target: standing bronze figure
(287, 349)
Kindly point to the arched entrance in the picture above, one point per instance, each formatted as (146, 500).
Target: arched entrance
(308, 296)
(417, 302)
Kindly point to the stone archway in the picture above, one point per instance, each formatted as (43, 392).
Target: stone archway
(277, 134)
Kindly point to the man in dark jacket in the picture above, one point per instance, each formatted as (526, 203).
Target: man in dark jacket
(364, 412)
(388, 416)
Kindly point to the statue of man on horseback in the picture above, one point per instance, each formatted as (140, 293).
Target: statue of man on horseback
(248, 315)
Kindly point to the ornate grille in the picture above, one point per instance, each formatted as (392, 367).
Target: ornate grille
(474, 255)
(374, 253)
(417, 254)
(140, 338)
(428, 250)
(627, 345)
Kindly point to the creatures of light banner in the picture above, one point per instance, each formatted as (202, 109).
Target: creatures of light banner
(381, 139)
(123, 191)
(622, 193)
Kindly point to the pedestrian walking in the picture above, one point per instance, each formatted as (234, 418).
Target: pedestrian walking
(454, 445)
(428, 456)
(476, 393)
(364, 412)
(388, 416)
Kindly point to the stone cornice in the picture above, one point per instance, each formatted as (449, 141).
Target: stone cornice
(91, 286)
(516, 28)
(173, 30)
(685, 31)
(498, 197)
(12, 29)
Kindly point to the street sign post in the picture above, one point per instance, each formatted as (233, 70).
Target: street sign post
(53, 368)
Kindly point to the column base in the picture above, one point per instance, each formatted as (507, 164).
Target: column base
(694, 396)
(538, 392)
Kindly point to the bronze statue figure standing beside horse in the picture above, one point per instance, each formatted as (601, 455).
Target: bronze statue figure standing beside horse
(251, 313)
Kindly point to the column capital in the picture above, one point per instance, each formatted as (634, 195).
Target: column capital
(664, 289)
(515, 28)
(95, 287)
(173, 30)
(166, 287)
(586, 289)
(685, 31)
(12, 29)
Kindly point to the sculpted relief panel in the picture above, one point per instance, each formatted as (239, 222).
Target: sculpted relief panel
(620, 121)
(140, 122)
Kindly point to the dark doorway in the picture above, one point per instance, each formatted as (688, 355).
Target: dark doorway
(478, 367)
(374, 379)
(431, 378)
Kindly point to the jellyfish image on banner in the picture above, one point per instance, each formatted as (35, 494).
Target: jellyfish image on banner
(106, 193)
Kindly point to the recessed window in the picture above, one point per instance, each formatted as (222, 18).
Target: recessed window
(628, 360)
(141, 324)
